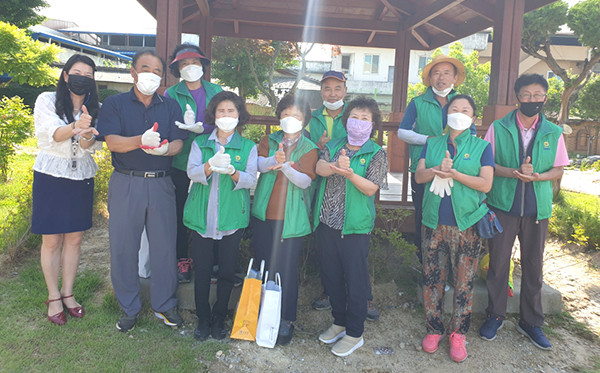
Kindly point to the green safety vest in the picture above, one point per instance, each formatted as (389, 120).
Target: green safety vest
(180, 93)
(467, 203)
(429, 122)
(506, 135)
(359, 217)
(318, 125)
(297, 203)
(233, 205)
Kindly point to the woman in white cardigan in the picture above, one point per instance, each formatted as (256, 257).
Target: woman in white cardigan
(63, 180)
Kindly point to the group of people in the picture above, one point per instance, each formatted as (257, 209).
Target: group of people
(458, 178)
(183, 172)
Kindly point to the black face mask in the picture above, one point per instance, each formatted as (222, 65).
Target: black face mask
(80, 85)
(531, 109)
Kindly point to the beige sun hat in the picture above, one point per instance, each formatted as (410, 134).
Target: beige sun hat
(460, 69)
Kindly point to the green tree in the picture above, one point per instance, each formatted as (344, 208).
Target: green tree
(540, 25)
(22, 13)
(555, 90)
(26, 60)
(476, 82)
(250, 64)
(587, 104)
(16, 123)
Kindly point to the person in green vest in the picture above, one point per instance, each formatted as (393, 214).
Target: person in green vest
(325, 125)
(425, 117)
(222, 167)
(281, 209)
(193, 94)
(530, 153)
(354, 169)
(326, 121)
(457, 170)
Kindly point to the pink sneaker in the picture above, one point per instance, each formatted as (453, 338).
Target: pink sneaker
(458, 350)
(430, 342)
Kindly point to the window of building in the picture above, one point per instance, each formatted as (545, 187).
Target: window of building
(118, 40)
(390, 73)
(423, 62)
(150, 41)
(371, 64)
(346, 63)
(136, 40)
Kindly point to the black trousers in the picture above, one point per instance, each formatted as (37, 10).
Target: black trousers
(204, 259)
(182, 184)
(280, 255)
(418, 190)
(345, 275)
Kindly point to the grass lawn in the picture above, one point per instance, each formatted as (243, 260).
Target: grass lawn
(30, 343)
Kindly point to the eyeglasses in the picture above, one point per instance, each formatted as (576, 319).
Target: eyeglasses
(528, 96)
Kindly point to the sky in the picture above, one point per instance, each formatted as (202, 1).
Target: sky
(111, 15)
(105, 15)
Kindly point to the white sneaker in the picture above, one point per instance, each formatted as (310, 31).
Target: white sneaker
(332, 334)
(347, 345)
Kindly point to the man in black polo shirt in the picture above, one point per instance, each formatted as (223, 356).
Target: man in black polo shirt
(139, 130)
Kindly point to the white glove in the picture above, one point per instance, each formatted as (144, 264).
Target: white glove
(229, 170)
(189, 117)
(189, 121)
(220, 160)
(161, 150)
(151, 138)
(440, 186)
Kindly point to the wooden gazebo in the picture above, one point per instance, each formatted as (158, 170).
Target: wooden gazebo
(399, 24)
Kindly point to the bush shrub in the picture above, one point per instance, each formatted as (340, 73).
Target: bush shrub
(105, 168)
(27, 93)
(576, 219)
(389, 252)
(16, 125)
(104, 93)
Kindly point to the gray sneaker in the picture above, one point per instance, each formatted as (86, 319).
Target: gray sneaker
(170, 317)
(372, 314)
(126, 323)
(322, 304)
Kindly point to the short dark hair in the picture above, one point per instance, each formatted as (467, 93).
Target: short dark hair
(240, 105)
(529, 79)
(465, 97)
(174, 68)
(363, 102)
(144, 52)
(292, 100)
(63, 104)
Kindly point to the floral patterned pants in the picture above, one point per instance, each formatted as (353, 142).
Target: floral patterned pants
(444, 247)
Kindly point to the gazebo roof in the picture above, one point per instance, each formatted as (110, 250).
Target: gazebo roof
(369, 23)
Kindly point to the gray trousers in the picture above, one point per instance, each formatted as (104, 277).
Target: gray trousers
(135, 202)
(532, 238)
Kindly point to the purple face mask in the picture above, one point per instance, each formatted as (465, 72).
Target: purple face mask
(359, 131)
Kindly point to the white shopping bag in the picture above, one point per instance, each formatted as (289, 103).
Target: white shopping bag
(270, 313)
(144, 256)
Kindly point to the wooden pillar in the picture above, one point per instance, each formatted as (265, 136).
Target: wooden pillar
(168, 33)
(508, 27)
(397, 149)
(205, 34)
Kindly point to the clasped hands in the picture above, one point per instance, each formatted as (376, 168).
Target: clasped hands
(189, 121)
(82, 126)
(525, 173)
(280, 158)
(151, 142)
(342, 166)
(443, 179)
(221, 163)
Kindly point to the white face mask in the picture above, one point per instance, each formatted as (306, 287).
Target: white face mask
(333, 105)
(290, 125)
(147, 83)
(226, 124)
(192, 73)
(459, 121)
(444, 92)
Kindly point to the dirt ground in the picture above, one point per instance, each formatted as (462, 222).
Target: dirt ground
(401, 327)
